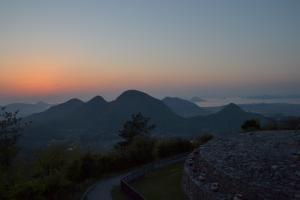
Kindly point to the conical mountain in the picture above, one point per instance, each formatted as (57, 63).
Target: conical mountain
(133, 95)
(93, 106)
(57, 112)
(227, 121)
(132, 102)
(97, 101)
(231, 109)
(90, 112)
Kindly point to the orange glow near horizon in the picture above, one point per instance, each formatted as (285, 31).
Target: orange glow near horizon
(46, 75)
(38, 76)
(53, 75)
(27, 76)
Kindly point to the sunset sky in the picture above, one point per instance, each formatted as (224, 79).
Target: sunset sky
(54, 50)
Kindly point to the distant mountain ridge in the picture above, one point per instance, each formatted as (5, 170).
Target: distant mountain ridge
(100, 120)
(184, 107)
(227, 121)
(267, 96)
(272, 109)
(266, 109)
(26, 109)
(197, 99)
(96, 123)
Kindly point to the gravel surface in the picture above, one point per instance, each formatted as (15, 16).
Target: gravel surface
(257, 165)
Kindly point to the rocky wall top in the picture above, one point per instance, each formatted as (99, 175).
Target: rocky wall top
(257, 165)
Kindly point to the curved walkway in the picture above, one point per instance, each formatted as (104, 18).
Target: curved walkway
(102, 189)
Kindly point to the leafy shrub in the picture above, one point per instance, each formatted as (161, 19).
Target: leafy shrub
(291, 123)
(202, 139)
(32, 189)
(287, 123)
(137, 126)
(88, 167)
(140, 150)
(251, 125)
(172, 146)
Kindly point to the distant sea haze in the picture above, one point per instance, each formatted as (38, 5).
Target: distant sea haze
(211, 102)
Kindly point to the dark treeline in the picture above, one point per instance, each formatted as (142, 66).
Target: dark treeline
(287, 123)
(58, 172)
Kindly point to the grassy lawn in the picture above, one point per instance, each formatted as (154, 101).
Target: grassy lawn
(162, 184)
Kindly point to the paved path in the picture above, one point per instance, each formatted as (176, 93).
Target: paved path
(102, 189)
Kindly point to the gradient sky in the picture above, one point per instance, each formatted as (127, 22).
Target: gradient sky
(53, 50)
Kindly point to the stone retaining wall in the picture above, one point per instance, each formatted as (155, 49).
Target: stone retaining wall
(207, 176)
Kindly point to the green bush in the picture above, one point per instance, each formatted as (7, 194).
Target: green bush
(140, 150)
(139, 125)
(74, 171)
(32, 189)
(251, 125)
(287, 123)
(167, 147)
(202, 139)
(88, 168)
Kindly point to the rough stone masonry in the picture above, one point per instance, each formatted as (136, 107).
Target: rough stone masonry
(252, 166)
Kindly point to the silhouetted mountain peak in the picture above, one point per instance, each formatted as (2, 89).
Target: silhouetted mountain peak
(184, 107)
(231, 108)
(68, 104)
(73, 101)
(59, 111)
(97, 100)
(133, 94)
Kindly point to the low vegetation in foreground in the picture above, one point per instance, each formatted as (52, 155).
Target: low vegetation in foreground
(58, 172)
(162, 184)
(288, 123)
(159, 185)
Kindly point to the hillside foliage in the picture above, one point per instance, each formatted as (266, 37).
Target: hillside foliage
(59, 172)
